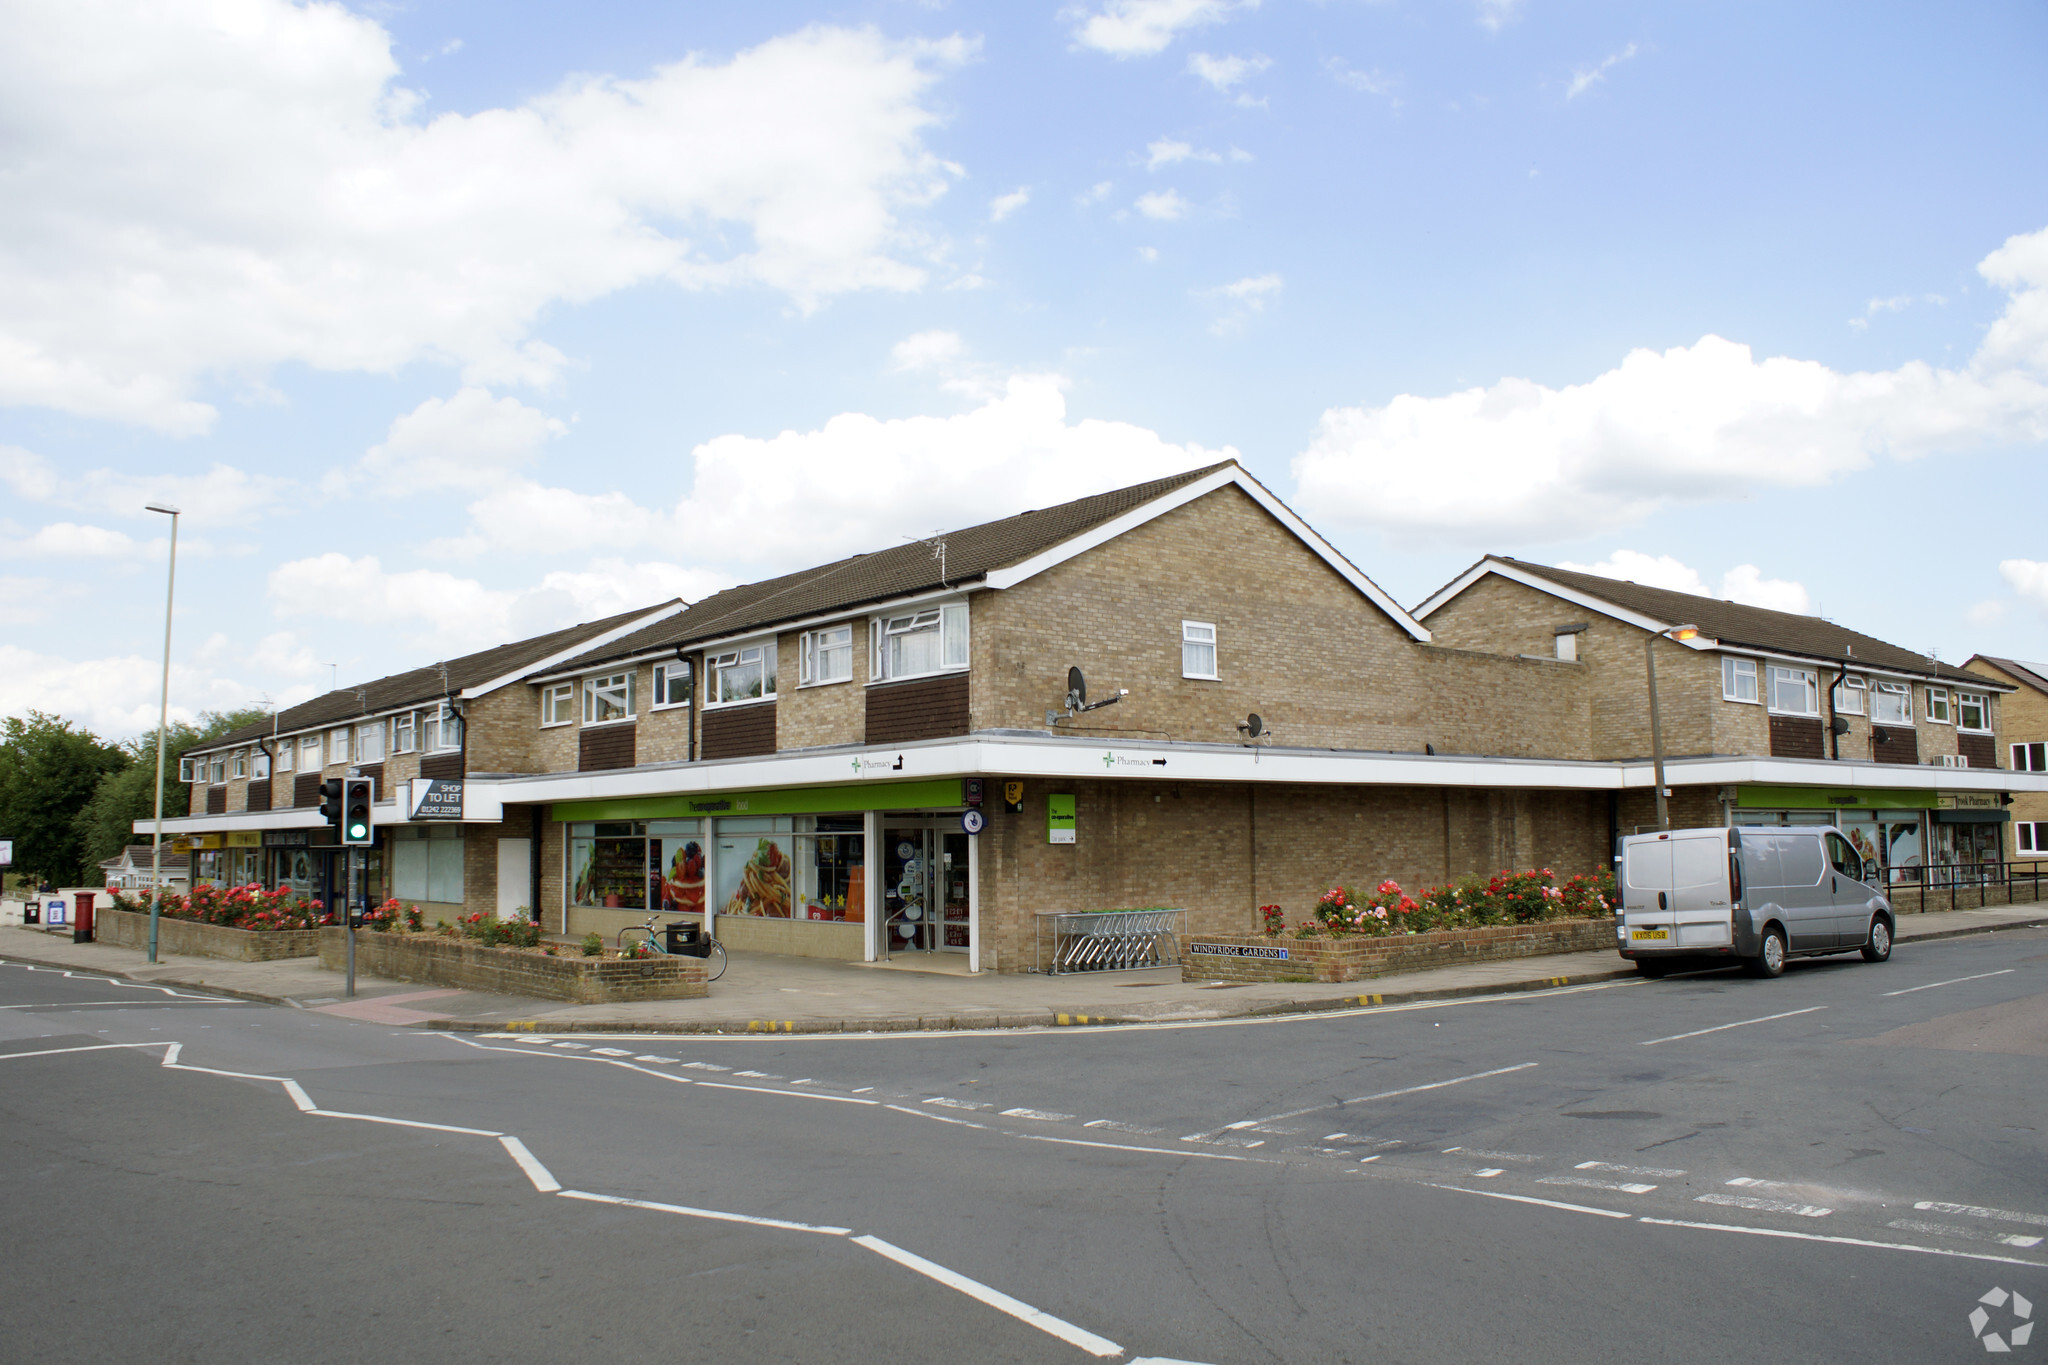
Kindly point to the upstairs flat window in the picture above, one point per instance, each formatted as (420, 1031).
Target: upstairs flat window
(337, 745)
(241, 766)
(1738, 679)
(370, 742)
(1794, 691)
(671, 685)
(284, 755)
(194, 769)
(2030, 758)
(608, 698)
(1891, 704)
(558, 704)
(309, 754)
(825, 656)
(440, 730)
(1848, 695)
(744, 674)
(1973, 711)
(1197, 649)
(1937, 705)
(259, 765)
(402, 732)
(219, 769)
(919, 643)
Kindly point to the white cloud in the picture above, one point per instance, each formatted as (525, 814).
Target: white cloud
(223, 496)
(27, 474)
(1985, 614)
(1095, 193)
(114, 696)
(1140, 28)
(1520, 462)
(1744, 583)
(1225, 74)
(1243, 298)
(27, 601)
(1002, 206)
(1494, 13)
(470, 440)
(1149, 255)
(201, 192)
(1167, 152)
(1586, 77)
(2028, 578)
(68, 541)
(783, 502)
(927, 351)
(1164, 205)
(1373, 82)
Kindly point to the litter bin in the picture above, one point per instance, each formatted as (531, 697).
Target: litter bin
(685, 939)
(81, 917)
(31, 912)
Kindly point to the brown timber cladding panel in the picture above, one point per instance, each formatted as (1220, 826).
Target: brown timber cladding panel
(605, 746)
(216, 800)
(375, 772)
(1894, 744)
(1981, 750)
(739, 732)
(931, 708)
(1798, 737)
(306, 789)
(258, 797)
(442, 765)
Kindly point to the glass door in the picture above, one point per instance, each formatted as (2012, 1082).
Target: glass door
(952, 889)
(910, 920)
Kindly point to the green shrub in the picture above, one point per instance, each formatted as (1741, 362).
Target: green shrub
(593, 945)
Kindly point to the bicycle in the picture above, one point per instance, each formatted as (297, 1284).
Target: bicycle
(700, 944)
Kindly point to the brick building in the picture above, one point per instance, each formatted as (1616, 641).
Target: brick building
(800, 759)
(2023, 736)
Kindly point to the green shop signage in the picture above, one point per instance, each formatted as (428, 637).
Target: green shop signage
(1059, 819)
(866, 796)
(1833, 798)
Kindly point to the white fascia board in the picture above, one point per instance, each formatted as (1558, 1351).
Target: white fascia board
(1821, 772)
(387, 812)
(598, 641)
(1166, 502)
(1852, 664)
(1514, 573)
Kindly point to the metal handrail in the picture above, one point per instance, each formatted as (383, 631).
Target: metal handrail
(1955, 877)
(1109, 940)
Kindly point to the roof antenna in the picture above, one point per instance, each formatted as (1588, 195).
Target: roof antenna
(937, 540)
(334, 677)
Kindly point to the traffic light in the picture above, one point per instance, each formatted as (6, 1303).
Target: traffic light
(330, 801)
(356, 822)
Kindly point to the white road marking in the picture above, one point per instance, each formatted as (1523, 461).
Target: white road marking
(1838, 1241)
(1127, 1147)
(1658, 1171)
(1744, 1182)
(1740, 1023)
(660, 1061)
(1489, 1173)
(759, 1075)
(1134, 1129)
(1392, 1094)
(1527, 1199)
(579, 1047)
(2011, 1239)
(55, 1051)
(1972, 1210)
(1750, 1201)
(1043, 1116)
(996, 1299)
(706, 1066)
(946, 1102)
(81, 1004)
(1953, 981)
(1588, 1183)
(715, 1215)
(300, 1097)
(928, 1114)
(1485, 1155)
(613, 1052)
(543, 1180)
(770, 1090)
(395, 1123)
(1333, 1137)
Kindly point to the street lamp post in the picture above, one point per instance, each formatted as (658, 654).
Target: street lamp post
(163, 721)
(1656, 727)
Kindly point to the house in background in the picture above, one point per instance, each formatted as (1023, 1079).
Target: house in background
(133, 870)
(2024, 734)
(1767, 716)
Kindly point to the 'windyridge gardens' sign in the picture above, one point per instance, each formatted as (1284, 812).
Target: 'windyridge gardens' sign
(1275, 953)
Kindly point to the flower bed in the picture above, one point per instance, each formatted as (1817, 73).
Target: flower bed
(1261, 957)
(231, 907)
(471, 964)
(1508, 898)
(193, 938)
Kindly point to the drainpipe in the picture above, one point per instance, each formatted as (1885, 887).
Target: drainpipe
(1834, 721)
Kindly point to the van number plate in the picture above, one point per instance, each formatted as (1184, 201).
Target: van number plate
(1640, 934)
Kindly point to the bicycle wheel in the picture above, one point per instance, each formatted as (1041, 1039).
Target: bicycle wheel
(635, 934)
(714, 962)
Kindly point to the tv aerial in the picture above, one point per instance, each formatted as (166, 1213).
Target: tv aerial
(1077, 699)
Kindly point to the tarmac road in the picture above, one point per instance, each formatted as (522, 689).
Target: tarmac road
(1836, 1165)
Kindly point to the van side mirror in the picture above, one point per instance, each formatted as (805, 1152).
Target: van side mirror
(1870, 869)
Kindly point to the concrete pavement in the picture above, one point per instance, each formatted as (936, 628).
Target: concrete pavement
(767, 993)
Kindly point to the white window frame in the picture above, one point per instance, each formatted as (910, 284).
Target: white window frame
(1790, 672)
(2030, 757)
(1980, 700)
(1848, 695)
(217, 770)
(437, 726)
(817, 650)
(1903, 691)
(1192, 635)
(370, 742)
(1734, 672)
(618, 686)
(314, 746)
(1937, 711)
(949, 619)
(557, 705)
(338, 744)
(735, 656)
(192, 769)
(239, 766)
(665, 673)
(259, 765)
(287, 751)
(405, 733)
(2030, 836)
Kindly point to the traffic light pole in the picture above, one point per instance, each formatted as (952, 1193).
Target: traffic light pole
(348, 918)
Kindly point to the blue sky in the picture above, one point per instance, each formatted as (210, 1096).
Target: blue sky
(450, 322)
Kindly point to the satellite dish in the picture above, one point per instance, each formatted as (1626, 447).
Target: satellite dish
(1253, 726)
(1077, 689)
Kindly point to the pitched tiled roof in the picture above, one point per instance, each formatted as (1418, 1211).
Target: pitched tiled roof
(421, 684)
(139, 856)
(898, 571)
(2033, 675)
(1733, 623)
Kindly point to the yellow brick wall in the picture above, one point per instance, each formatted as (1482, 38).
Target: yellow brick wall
(824, 713)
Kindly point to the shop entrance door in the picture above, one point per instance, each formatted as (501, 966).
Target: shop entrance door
(908, 922)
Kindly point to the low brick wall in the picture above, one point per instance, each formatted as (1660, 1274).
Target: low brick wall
(1911, 898)
(190, 938)
(471, 966)
(1354, 959)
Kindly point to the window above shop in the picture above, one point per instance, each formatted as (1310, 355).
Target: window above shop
(557, 704)
(1937, 705)
(919, 643)
(743, 673)
(194, 769)
(1973, 711)
(217, 769)
(440, 730)
(259, 765)
(1848, 695)
(309, 754)
(1198, 649)
(1794, 691)
(608, 699)
(671, 684)
(2030, 758)
(402, 732)
(284, 755)
(338, 745)
(1891, 704)
(1738, 679)
(825, 656)
(241, 763)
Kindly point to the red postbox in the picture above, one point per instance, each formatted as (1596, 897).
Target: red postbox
(81, 917)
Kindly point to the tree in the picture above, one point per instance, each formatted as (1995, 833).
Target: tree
(106, 823)
(48, 772)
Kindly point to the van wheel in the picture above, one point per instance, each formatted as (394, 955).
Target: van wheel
(1878, 948)
(1770, 955)
(1651, 968)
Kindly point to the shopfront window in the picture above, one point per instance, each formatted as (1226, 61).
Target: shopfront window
(831, 869)
(426, 863)
(752, 867)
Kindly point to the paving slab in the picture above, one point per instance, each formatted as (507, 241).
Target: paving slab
(770, 993)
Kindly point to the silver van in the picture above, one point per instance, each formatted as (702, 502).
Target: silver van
(1758, 895)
